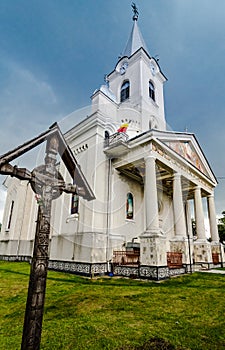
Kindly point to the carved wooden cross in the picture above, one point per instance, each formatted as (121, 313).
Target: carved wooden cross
(48, 184)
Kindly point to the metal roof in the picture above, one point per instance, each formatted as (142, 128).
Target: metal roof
(135, 41)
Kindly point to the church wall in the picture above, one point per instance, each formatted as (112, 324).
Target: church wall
(18, 239)
(126, 114)
(29, 216)
(152, 109)
(18, 211)
(84, 148)
(94, 165)
(13, 195)
(25, 248)
(86, 232)
(102, 104)
(120, 226)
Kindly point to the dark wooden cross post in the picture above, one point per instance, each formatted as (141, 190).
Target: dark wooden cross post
(48, 184)
(36, 292)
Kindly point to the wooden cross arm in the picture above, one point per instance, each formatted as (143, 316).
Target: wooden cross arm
(14, 171)
(69, 188)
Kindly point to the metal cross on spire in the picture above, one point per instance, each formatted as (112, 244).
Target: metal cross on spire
(135, 11)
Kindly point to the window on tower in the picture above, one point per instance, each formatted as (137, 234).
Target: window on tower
(151, 91)
(125, 91)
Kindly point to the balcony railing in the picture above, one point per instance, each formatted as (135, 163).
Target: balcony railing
(118, 137)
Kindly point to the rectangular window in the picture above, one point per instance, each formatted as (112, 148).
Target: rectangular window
(74, 204)
(10, 215)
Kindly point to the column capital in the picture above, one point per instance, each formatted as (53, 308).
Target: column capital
(149, 157)
(176, 175)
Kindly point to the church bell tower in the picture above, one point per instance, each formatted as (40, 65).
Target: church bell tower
(137, 85)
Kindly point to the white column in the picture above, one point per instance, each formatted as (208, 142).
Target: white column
(178, 207)
(212, 218)
(151, 197)
(199, 214)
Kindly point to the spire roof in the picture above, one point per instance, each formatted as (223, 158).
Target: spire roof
(135, 40)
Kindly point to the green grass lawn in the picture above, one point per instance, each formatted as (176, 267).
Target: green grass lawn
(186, 312)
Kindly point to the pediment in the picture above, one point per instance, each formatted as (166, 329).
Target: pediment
(189, 149)
(186, 150)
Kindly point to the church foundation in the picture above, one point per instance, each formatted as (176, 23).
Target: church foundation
(217, 253)
(153, 250)
(203, 253)
(183, 246)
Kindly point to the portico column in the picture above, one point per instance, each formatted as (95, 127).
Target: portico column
(151, 197)
(212, 218)
(199, 214)
(178, 207)
(152, 242)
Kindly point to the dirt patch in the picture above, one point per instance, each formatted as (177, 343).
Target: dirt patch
(154, 344)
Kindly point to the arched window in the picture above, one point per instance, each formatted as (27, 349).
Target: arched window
(151, 91)
(106, 138)
(153, 123)
(74, 204)
(125, 91)
(130, 206)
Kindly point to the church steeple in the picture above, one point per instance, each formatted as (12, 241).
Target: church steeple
(135, 87)
(135, 40)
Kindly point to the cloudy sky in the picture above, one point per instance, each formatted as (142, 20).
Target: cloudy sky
(54, 54)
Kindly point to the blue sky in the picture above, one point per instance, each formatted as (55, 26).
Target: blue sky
(54, 54)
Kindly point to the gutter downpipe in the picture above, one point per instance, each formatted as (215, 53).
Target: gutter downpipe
(221, 253)
(188, 237)
(108, 214)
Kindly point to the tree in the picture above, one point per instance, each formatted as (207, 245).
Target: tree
(193, 224)
(221, 228)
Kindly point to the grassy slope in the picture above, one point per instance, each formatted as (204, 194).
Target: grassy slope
(106, 313)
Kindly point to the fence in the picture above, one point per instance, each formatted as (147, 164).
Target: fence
(215, 258)
(174, 260)
(125, 257)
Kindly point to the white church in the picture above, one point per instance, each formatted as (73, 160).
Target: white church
(149, 184)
